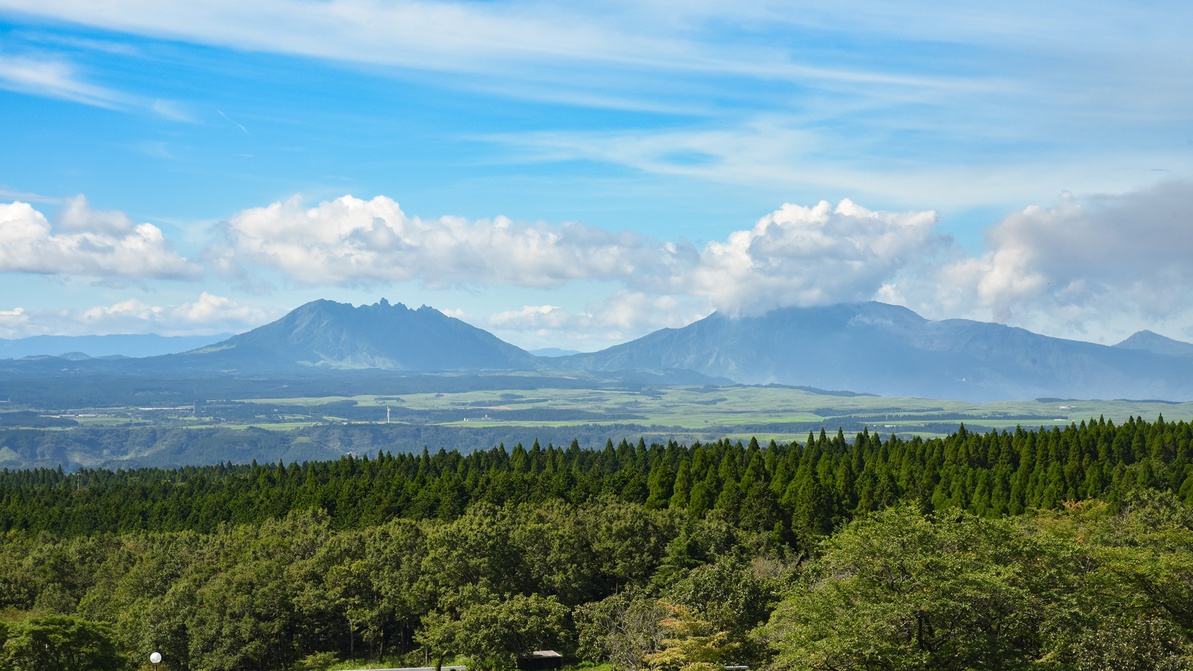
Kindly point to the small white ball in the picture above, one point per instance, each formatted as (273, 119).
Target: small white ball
(155, 657)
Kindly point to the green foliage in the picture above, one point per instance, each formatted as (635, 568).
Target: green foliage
(58, 642)
(623, 628)
(799, 492)
(731, 596)
(496, 633)
(319, 661)
(898, 590)
(690, 644)
(1066, 549)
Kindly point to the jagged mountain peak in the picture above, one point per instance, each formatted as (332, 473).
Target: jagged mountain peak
(328, 334)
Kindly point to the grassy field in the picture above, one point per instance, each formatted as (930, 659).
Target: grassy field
(735, 411)
(765, 412)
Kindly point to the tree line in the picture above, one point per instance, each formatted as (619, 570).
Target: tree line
(796, 491)
(1054, 549)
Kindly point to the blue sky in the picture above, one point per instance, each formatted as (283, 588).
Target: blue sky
(574, 175)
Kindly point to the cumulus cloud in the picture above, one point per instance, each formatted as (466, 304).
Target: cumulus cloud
(812, 256)
(350, 241)
(208, 313)
(1095, 268)
(1100, 266)
(794, 256)
(86, 242)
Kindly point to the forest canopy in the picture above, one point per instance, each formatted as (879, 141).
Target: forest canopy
(1061, 549)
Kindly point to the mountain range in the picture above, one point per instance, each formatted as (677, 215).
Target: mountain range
(98, 346)
(865, 347)
(892, 351)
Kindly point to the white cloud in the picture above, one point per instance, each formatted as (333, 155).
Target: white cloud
(1099, 267)
(936, 104)
(633, 312)
(794, 256)
(86, 242)
(809, 256)
(54, 78)
(207, 314)
(211, 310)
(453, 35)
(1092, 268)
(1095, 267)
(350, 241)
(27, 196)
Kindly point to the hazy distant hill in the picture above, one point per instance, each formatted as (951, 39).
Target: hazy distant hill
(1157, 344)
(866, 347)
(552, 352)
(889, 350)
(135, 345)
(328, 335)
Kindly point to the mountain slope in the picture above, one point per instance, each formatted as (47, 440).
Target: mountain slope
(103, 345)
(328, 335)
(889, 350)
(1157, 344)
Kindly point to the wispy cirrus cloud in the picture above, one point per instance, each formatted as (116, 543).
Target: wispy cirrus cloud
(914, 104)
(27, 196)
(643, 56)
(55, 78)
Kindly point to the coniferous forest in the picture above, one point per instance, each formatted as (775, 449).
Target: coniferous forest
(1034, 549)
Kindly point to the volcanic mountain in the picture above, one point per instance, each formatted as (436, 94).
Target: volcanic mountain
(337, 336)
(892, 351)
(1147, 341)
(864, 347)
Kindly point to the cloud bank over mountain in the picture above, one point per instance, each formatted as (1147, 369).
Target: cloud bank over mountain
(1096, 267)
(1067, 268)
(349, 241)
